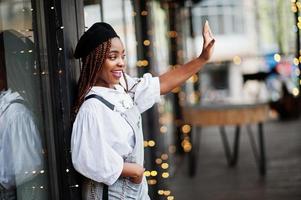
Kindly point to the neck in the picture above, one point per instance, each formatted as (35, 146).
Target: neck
(103, 83)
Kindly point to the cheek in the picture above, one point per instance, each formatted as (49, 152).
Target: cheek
(105, 70)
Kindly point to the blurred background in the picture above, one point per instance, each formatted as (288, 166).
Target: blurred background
(232, 131)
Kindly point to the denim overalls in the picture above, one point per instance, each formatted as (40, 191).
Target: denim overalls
(123, 188)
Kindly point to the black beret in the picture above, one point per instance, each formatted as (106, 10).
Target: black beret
(98, 33)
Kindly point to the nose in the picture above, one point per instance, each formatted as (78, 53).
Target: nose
(121, 62)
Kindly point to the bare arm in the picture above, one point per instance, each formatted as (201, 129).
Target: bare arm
(176, 77)
(133, 171)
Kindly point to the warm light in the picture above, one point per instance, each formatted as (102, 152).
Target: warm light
(186, 128)
(139, 63)
(277, 57)
(172, 34)
(295, 92)
(165, 175)
(186, 145)
(170, 198)
(144, 13)
(147, 173)
(158, 161)
(164, 156)
(176, 90)
(142, 63)
(160, 192)
(163, 129)
(146, 42)
(296, 61)
(151, 143)
(145, 143)
(152, 181)
(294, 9)
(154, 173)
(164, 165)
(237, 60)
(166, 192)
(193, 79)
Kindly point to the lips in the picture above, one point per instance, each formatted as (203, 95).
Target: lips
(117, 73)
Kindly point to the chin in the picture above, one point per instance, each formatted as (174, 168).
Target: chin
(115, 82)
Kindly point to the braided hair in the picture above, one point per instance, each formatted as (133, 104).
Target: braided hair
(88, 76)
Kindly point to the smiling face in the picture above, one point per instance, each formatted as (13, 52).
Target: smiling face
(111, 70)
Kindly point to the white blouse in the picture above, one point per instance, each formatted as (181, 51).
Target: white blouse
(20, 143)
(102, 139)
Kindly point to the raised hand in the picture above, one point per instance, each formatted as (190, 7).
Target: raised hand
(208, 43)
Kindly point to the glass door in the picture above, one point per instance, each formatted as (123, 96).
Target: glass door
(23, 153)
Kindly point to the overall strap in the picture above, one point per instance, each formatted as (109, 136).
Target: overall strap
(20, 101)
(105, 192)
(108, 104)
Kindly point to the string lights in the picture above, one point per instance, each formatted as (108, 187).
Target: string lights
(296, 8)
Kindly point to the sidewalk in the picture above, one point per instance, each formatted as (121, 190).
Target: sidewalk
(216, 181)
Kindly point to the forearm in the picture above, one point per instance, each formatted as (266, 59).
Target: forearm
(174, 78)
(131, 170)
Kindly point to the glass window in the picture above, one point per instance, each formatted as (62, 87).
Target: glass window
(92, 12)
(225, 16)
(23, 166)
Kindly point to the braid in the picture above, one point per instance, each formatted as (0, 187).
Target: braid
(91, 65)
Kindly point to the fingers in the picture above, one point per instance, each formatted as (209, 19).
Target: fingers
(207, 30)
(207, 34)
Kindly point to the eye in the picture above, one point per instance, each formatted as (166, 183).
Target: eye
(123, 57)
(112, 57)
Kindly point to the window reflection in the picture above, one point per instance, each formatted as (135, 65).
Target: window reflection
(21, 153)
(23, 172)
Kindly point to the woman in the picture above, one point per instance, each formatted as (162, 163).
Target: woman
(107, 139)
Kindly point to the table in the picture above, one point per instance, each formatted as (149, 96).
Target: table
(228, 114)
